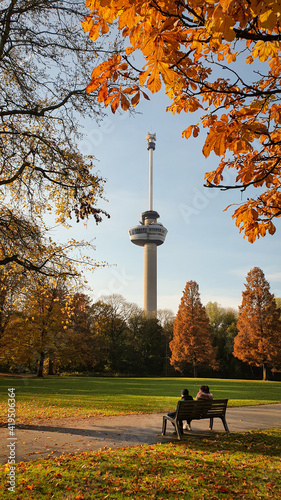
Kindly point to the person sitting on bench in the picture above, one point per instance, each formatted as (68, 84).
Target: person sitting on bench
(204, 393)
(185, 396)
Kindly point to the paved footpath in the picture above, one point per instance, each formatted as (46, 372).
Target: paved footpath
(55, 437)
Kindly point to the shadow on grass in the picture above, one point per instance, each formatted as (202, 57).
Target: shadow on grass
(254, 442)
(115, 437)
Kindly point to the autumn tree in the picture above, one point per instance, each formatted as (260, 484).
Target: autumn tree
(38, 331)
(55, 327)
(278, 303)
(81, 349)
(12, 287)
(259, 328)
(219, 58)
(191, 342)
(12, 283)
(26, 245)
(43, 70)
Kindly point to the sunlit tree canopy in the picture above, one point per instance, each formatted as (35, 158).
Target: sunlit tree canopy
(218, 58)
(43, 58)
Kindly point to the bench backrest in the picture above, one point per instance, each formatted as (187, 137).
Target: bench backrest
(218, 408)
(202, 408)
(184, 409)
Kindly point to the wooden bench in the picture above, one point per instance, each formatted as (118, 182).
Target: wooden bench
(197, 410)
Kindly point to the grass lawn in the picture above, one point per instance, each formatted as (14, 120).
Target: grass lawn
(236, 466)
(83, 397)
(216, 467)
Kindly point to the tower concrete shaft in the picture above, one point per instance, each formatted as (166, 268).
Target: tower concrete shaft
(150, 279)
(149, 234)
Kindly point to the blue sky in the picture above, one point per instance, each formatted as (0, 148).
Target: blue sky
(203, 244)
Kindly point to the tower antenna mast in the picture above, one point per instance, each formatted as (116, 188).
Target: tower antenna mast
(151, 138)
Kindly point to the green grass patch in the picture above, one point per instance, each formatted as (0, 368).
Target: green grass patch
(83, 397)
(233, 466)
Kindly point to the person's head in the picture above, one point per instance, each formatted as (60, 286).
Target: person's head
(205, 389)
(184, 393)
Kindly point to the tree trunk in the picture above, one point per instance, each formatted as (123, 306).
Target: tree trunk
(264, 372)
(51, 367)
(41, 364)
(195, 371)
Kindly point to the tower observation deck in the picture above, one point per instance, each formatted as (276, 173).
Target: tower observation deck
(149, 234)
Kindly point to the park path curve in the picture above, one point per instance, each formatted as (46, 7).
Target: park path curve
(55, 437)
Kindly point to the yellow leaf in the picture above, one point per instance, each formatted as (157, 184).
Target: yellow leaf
(271, 228)
(143, 76)
(187, 132)
(145, 95)
(215, 142)
(87, 24)
(154, 81)
(264, 50)
(104, 27)
(129, 50)
(102, 94)
(135, 99)
(115, 104)
(268, 20)
(125, 103)
(127, 18)
(91, 86)
(95, 31)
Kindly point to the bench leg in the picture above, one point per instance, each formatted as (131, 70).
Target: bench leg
(211, 424)
(164, 426)
(177, 429)
(225, 424)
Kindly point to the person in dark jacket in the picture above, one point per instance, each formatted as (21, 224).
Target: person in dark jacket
(185, 396)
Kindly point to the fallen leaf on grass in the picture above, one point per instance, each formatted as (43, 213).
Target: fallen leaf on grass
(222, 489)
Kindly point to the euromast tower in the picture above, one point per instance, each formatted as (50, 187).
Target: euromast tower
(149, 234)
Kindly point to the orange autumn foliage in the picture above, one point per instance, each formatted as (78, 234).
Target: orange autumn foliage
(217, 57)
(191, 342)
(259, 327)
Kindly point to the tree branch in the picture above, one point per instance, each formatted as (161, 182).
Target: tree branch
(16, 176)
